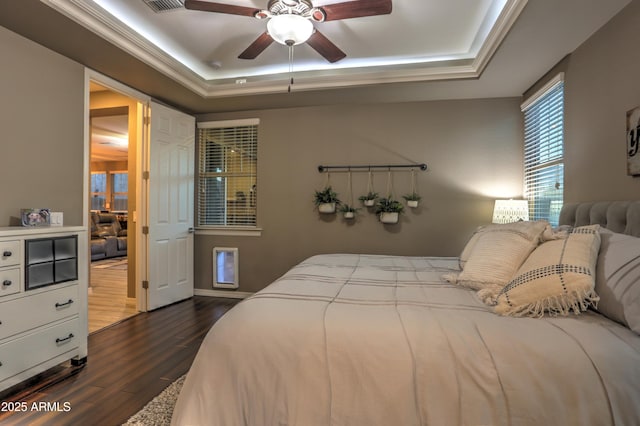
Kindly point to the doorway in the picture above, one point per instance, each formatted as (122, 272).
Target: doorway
(112, 128)
(160, 191)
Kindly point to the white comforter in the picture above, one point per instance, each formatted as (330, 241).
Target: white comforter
(379, 340)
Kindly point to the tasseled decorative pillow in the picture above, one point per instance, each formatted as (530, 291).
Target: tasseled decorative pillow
(558, 277)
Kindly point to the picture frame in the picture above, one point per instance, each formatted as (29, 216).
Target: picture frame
(633, 141)
(35, 217)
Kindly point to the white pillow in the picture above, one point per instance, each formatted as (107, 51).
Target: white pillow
(618, 278)
(558, 277)
(495, 252)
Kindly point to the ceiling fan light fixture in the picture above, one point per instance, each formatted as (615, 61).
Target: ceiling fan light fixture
(290, 29)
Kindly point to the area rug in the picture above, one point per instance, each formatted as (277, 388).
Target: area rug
(159, 410)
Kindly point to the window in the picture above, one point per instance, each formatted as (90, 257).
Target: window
(119, 191)
(227, 178)
(98, 190)
(543, 151)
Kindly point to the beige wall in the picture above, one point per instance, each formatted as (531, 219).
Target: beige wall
(602, 83)
(42, 110)
(473, 149)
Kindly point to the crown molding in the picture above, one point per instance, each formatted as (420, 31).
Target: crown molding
(100, 22)
(97, 20)
(501, 28)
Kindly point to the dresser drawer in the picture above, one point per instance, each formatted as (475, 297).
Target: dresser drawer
(26, 313)
(22, 354)
(10, 253)
(9, 281)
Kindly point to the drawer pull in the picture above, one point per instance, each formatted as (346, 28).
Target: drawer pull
(60, 305)
(7, 253)
(64, 339)
(6, 283)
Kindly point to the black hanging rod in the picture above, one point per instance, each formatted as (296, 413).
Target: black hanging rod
(322, 169)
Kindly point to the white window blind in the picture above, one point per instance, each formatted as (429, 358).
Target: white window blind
(543, 152)
(227, 176)
(98, 190)
(120, 191)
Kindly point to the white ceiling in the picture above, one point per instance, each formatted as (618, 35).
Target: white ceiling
(109, 133)
(109, 138)
(451, 48)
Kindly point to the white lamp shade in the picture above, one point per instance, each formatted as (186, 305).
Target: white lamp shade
(289, 29)
(508, 211)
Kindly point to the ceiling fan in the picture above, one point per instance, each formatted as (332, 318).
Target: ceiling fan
(291, 22)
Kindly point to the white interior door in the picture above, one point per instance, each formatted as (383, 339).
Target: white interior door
(170, 206)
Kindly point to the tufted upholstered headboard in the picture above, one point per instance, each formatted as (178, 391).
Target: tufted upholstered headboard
(618, 216)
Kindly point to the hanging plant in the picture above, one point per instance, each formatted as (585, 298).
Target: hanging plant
(413, 198)
(369, 199)
(348, 211)
(327, 200)
(388, 209)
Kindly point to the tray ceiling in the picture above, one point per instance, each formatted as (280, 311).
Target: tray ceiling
(203, 74)
(419, 41)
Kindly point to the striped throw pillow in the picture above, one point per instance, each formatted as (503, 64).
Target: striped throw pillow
(495, 252)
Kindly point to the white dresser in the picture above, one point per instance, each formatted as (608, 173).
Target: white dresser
(43, 300)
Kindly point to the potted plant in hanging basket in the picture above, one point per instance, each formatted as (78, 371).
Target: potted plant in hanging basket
(326, 200)
(412, 199)
(348, 212)
(388, 210)
(369, 200)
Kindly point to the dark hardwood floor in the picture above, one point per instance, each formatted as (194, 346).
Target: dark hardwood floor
(128, 364)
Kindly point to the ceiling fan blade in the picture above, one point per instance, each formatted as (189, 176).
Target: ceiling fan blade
(356, 9)
(325, 47)
(230, 9)
(257, 47)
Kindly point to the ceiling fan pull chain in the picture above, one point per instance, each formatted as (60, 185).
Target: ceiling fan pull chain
(290, 68)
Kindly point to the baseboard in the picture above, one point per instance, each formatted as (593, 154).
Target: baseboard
(221, 293)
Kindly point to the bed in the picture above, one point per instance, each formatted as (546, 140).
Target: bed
(352, 339)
